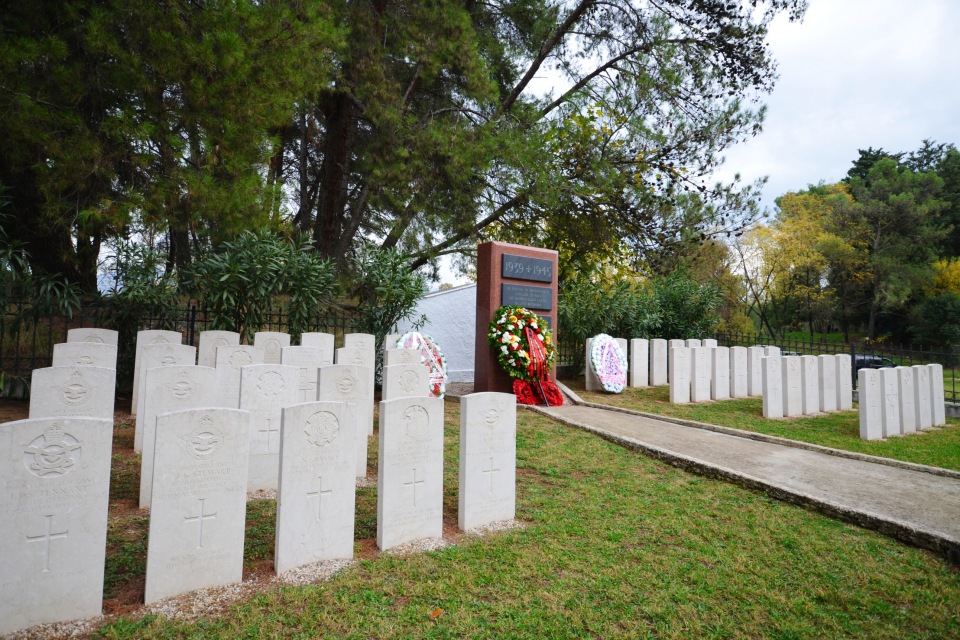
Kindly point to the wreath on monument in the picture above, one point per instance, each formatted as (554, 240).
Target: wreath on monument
(526, 351)
(431, 356)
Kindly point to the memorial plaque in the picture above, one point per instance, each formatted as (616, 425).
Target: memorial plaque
(523, 295)
(488, 376)
(524, 268)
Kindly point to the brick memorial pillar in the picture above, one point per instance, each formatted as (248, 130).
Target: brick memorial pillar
(516, 275)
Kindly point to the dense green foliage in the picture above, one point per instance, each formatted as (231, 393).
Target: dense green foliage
(664, 307)
(238, 284)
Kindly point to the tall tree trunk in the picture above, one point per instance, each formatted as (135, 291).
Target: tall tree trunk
(341, 120)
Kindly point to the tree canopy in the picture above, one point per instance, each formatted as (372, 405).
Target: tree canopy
(403, 124)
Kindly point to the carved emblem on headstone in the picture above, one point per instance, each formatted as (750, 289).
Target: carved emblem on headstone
(220, 342)
(357, 359)
(346, 384)
(270, 384)
(322, 428)
(406, 357)
(84, 360)
(181, 389)
(408, 381)
(53, 454)
(160, 340)
(205, 441)
(492, 415)
(239, 359)
(96, 339)
(272, 347)
(168, 360)
(76, 391)
(415, 421)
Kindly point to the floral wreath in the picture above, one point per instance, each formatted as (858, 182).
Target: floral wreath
(609, 363)
(508, 337)
(431, 356)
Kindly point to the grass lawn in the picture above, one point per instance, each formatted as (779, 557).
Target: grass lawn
(938, 447)
(615, 546)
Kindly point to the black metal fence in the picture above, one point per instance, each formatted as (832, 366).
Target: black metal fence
(27, 338)
(862, 355)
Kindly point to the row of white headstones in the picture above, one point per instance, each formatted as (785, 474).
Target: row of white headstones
(56, 472)
(893, 401)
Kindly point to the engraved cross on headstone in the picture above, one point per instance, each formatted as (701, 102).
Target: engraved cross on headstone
(47, 537)
(491, 471)
(318, 494)
(270, 430)
(414, 484)
(200, 518)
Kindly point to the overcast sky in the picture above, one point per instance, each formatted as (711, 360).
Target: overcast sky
(854, 74)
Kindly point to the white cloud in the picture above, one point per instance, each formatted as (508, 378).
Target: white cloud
(854, 74)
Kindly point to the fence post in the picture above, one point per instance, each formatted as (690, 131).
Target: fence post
(853, 363)
(190, 326)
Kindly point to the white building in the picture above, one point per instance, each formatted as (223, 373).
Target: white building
(451, 322)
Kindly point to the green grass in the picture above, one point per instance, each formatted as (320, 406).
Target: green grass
(615, 546)
(938, 447)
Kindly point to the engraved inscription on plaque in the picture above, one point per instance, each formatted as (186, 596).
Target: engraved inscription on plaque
(526, 296)
(523, 268)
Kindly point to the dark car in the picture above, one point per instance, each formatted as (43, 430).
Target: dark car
(872, 362)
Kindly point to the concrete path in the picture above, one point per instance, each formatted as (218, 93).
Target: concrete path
(916, 504)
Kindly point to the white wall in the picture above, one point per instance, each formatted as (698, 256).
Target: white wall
(451, 322)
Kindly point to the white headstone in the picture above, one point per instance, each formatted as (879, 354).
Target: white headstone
(317, 494)
(827, 382)
(348, 383)
(772, 367)
(403, 356)
(906, 382)
(844, 382)
(198, 502)
(272, 343)
(921, 398)
(55, 474)
(755, 370)
(890, 384)
(709, 342)
(325, 341)
(488, 459)
(94, 335)
(639, 362)
(210, 341)
(720, 373)
(938, 412)
(82, 392)
(771, 351)
(366, 359)
(265, 390)
(810, 384)
(171, 389)
(308, 361)
(405, 381)
(230, 360)
(693, 342)
(670, 345)
(390, 342)
(410, 471)
(871, 404)
(149, 336)
(84, 354)
(658, 362)
(739, 373)
(701, 362)
(154, 356)
(591, 382)
(792, 387)
(680, 375)
(362, 340)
